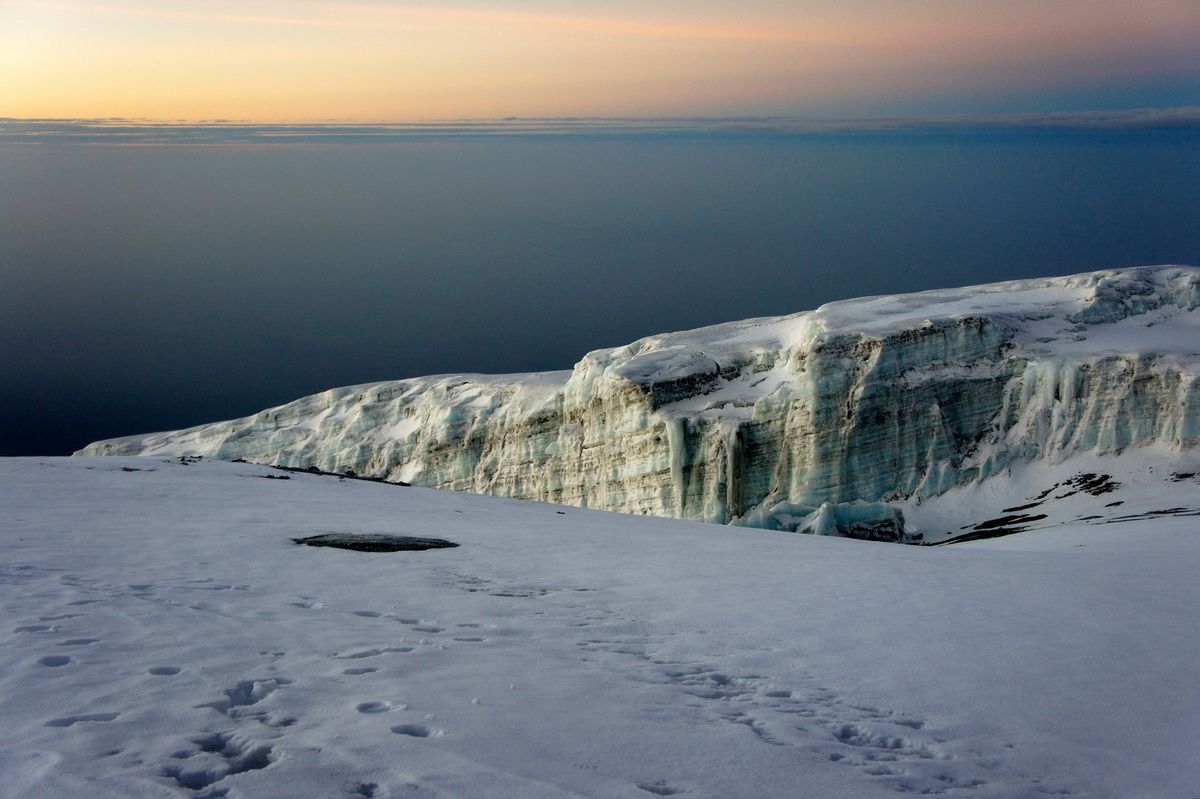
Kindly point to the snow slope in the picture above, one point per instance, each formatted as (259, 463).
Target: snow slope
(163, 637)
(787, 423)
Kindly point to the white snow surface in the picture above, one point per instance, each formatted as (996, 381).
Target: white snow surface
(797, 422)
(165, 638)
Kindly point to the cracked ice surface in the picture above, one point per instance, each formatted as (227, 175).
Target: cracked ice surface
(892, 399)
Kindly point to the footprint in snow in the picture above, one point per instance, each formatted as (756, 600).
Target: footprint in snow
(370, 653)
(82, 718)
(164, 671)
(246, 694)
(417, 731)
(54, 660)
(36, 628)
(219, 755)
(659, 788)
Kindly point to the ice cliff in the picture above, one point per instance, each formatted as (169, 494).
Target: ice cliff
(813, 422)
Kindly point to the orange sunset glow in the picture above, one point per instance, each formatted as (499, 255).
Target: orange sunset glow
(287, 61)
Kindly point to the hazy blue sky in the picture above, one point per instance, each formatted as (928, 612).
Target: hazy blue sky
(163, 285)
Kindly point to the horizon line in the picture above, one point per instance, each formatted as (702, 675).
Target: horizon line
(223, 131)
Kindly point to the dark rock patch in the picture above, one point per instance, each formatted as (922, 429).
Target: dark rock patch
(1008, 521)
(995, 528)
(374, 542)
(1094, 484)
(1087, 482)
(1154, 514)
(981, 535)
(349, 474)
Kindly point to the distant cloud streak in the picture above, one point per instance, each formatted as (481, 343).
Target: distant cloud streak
(227, 132)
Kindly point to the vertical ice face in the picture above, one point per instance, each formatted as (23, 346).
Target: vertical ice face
(819, 414)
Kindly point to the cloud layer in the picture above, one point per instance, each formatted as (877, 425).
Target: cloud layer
(140, 132)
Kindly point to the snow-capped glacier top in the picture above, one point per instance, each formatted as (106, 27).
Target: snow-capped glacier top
(1047, 314)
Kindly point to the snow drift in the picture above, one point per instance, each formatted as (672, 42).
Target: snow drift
(819, 421)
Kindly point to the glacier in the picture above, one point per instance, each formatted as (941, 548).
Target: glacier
(829, 421)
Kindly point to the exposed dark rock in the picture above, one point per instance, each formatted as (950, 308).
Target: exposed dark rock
(374, 542)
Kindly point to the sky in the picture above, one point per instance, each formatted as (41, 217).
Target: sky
(283, 60)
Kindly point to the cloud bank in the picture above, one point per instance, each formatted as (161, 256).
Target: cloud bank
(226, 132)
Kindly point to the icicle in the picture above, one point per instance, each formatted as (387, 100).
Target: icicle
(730, 433)
(678, 451)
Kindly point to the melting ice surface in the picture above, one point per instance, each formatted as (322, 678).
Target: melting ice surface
(852, 419)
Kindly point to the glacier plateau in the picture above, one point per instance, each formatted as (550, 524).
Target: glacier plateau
(826, 421)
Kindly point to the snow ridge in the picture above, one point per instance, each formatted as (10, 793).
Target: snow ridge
(810, 422)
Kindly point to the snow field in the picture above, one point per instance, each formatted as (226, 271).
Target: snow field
(165, 637)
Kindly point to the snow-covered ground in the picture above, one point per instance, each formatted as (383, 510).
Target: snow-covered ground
(164, 637)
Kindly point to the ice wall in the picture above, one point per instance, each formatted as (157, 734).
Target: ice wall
(770, 420)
